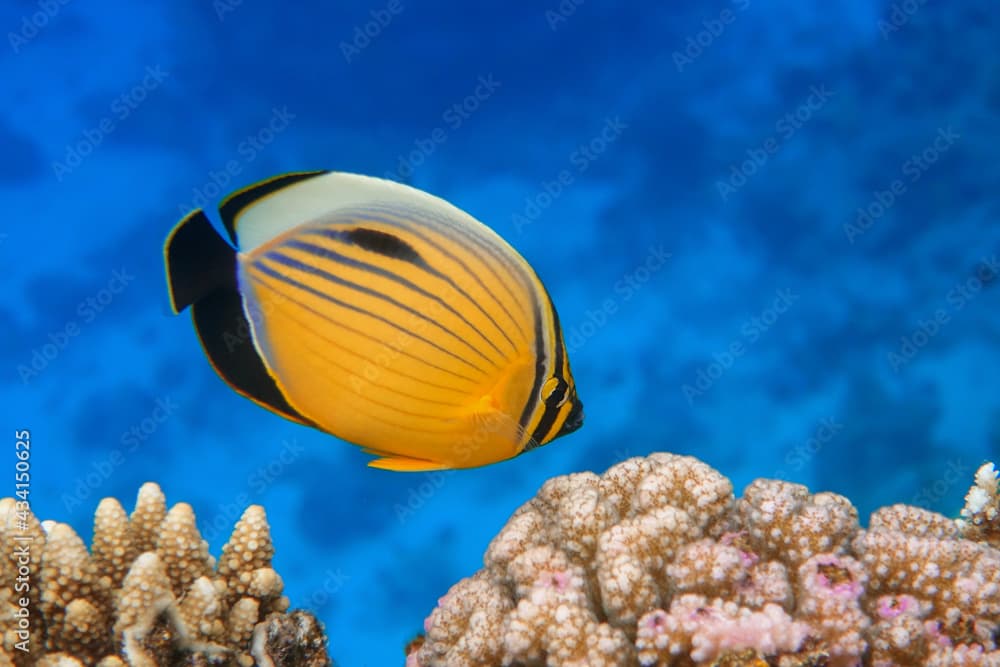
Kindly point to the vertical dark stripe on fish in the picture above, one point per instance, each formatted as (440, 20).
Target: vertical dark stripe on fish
(546, 423)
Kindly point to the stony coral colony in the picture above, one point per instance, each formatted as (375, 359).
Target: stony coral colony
(147, 594)
(653, 563)
(656, 563)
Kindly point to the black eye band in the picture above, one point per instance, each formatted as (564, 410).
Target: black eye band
(559, 394)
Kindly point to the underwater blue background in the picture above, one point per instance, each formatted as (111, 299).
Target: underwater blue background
(770, 229)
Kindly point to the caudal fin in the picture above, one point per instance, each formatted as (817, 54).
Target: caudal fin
(201, 273)
(198, 260)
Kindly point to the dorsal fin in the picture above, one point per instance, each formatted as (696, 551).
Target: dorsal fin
(237, 202)
(263, 211)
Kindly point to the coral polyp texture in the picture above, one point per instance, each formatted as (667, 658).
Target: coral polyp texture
(147, 594)
(655, 562)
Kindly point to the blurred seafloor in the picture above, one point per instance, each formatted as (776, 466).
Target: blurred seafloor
(822, 182)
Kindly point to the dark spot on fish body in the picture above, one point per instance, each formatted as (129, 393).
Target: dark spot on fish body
(383, 244)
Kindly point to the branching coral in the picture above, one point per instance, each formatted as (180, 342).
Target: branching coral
(980, 520)
(147, 594)
(655, 563)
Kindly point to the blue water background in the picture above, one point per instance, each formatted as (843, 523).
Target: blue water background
(770, 230)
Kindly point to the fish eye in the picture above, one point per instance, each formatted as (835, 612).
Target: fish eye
(555, 392)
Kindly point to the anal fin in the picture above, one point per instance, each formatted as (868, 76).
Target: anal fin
(406, 464)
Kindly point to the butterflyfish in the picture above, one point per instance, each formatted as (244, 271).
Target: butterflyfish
(380, 314)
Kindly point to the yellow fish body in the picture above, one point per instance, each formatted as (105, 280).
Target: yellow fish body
(380, 314)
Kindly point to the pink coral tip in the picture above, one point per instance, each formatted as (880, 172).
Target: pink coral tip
(657, 619)
(558, 580)
(933, 630)
(848, 589)
(891, 606)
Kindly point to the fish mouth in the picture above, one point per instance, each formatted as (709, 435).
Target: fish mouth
(574, 419)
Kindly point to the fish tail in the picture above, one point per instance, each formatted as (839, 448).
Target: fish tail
(199, 261)
(201, 273)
